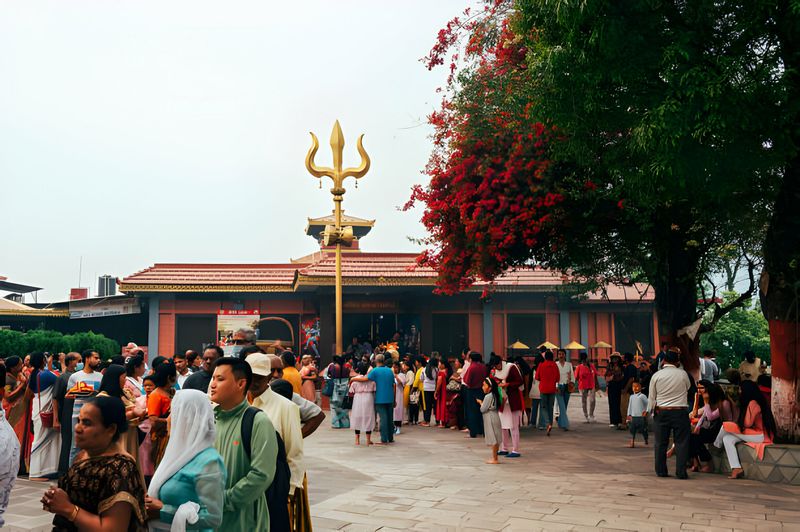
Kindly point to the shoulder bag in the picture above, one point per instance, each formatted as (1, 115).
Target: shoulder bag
(45, 417)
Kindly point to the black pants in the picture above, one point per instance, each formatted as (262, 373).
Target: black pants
(675, 422)
(638, 425)
(66, 438)
(473, 411)
(430, 402)
(384, 411)
(413, 413)
(697, 442)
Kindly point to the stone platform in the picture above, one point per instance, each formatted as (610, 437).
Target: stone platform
(781, 463)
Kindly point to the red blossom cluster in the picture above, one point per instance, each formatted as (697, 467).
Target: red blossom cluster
(487, 201)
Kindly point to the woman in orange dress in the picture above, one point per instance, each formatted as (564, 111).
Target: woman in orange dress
(308, 374)
(158, 405)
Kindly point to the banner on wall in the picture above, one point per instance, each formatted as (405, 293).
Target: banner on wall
(309, 336)
(230, 321)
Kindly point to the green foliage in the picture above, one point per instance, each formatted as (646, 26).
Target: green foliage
(21, 344)
(672, 125)
(742, 329)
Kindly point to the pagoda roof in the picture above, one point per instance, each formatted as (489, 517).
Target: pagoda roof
(358, 269)
(361, 227)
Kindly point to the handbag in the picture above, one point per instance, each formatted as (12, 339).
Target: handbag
(327, 391)
(45, 417)
(453, 386)
(347, 402)
(413, 397)
(571, 387)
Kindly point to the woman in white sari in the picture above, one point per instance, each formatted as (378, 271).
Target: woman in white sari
(46, 446)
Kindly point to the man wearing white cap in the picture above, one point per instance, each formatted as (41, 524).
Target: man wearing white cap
(284, 414)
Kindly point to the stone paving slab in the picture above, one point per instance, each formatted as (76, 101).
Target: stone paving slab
(436, 479)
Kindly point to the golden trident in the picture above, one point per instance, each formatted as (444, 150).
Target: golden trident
(336, 234)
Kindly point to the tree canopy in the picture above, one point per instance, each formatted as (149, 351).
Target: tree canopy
(653, 134)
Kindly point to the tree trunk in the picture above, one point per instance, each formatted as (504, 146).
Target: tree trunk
(780, 284)
(675, 285)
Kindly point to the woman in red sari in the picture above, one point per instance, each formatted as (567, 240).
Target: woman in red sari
(441, 393)
(17, 404)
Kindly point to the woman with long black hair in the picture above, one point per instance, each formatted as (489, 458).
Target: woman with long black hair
(46, 446)
(113, 385)
(755, 426)
(429, 376)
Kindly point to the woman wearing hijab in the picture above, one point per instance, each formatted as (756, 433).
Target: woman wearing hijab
(113, 385)
(46, 446)
(186, 491)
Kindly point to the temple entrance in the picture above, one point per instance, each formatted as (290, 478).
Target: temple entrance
(375, 328)
(450, 333)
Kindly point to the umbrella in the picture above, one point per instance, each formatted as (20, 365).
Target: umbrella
(548, 345)
(574, 345)
(518, 345)
(602, 345)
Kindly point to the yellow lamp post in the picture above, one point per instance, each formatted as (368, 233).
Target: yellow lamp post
(336, 234)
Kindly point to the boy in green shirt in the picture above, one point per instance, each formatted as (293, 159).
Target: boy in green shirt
(249, 476)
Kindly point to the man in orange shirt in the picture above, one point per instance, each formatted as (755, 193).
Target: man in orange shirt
(290, 372)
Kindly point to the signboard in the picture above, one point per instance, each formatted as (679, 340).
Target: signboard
(369, 306)
(230, 321)
(103, 307)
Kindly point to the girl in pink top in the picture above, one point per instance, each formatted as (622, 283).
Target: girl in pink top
(586, 375)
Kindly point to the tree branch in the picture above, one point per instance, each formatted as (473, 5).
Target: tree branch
(720, 311)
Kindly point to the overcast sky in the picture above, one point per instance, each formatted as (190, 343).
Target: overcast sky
(149, 131)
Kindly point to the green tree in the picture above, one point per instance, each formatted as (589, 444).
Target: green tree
(742, 329)
(667, 150)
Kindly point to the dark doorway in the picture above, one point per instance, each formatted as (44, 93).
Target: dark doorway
(632, 328)
(527, 328)
(193, 332)
(450, 333)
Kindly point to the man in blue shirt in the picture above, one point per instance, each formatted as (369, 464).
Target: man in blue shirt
(384, 396)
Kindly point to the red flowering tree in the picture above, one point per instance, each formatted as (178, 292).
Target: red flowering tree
(489, 199)
(610, 140)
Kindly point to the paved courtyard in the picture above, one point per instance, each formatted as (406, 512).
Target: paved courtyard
(434, 479)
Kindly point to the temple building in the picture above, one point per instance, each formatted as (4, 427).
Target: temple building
(386, 297)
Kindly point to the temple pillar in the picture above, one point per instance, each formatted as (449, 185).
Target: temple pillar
(585, 329)
(488, 329)
(563, 324)
(152, 324)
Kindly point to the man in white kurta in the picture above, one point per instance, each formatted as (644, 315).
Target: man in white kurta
(284, 414)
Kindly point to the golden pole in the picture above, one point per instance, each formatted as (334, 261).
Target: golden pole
(336, 234)
(339, 339)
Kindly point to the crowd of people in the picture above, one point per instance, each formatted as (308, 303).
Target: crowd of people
(495, 399)
(198, 442)
(204, 441)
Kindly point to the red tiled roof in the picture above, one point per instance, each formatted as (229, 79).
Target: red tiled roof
(205, 277)
(370, 265)
(365, 269)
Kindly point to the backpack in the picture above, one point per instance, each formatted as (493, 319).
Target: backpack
(278, 492)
